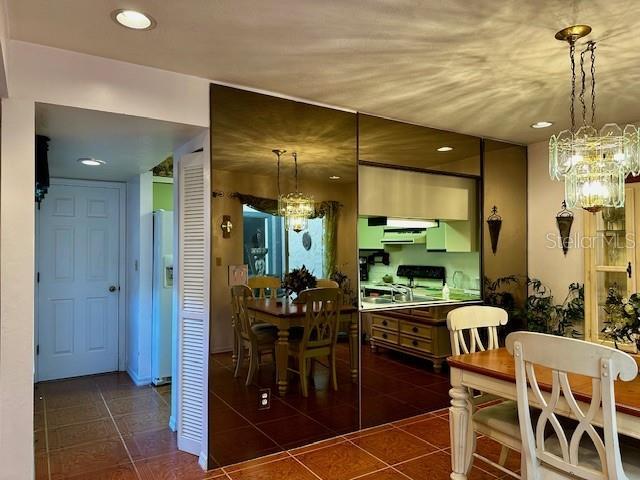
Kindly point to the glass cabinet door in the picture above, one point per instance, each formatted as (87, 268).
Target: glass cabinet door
(610, 260)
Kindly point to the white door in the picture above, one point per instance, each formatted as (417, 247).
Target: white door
(78, 264)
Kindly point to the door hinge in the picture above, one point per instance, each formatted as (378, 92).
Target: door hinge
(38, 277)
(37, 349)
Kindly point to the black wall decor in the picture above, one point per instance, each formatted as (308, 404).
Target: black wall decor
(564, 219)
(495, 223)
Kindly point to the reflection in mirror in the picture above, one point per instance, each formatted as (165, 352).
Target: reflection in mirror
(389, 142)
(272, 363)
(404, 179)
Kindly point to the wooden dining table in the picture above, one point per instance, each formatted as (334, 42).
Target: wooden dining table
(493, 372)
(284, 315)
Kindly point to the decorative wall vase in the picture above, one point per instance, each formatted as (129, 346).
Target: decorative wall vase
(495, 223)
(564, 219)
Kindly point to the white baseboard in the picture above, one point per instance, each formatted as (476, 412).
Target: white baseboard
(203, 462)
(172, 423)
(137, 380)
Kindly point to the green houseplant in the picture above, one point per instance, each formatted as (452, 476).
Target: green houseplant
(297, 280)
(623, 319)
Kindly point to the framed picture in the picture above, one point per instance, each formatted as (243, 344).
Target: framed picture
(238, 274)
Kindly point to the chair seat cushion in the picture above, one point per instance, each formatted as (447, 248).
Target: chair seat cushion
(502, 417)
(588, 455)
(265, 332)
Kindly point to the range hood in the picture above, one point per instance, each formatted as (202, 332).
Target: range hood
(404, 236)
(403, 223)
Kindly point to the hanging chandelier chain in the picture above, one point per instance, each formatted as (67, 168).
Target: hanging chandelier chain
(572, 50)
(592, 47)
(295, 161)
(583, 87)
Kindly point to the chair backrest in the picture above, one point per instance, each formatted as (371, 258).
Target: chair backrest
(465, 323)
(326, 283)
(323, 307)
(564, 356)
(264, 283)
(241, 319)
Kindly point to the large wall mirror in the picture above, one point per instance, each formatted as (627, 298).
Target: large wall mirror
(259, 409)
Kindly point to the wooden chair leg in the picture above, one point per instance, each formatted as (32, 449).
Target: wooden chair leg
(253, 363)
(240, 359)
(303, 377)
(504, 454)
(334, 377)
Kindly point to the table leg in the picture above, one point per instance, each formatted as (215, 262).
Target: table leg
(353, 349)
(463, 438)
(282, 359)
(234, 355)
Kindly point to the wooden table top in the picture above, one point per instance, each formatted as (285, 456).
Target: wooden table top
(283, 309)
(500, 364)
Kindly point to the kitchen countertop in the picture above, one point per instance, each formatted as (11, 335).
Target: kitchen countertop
(456, 297)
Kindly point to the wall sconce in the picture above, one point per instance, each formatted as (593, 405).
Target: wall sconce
(564, 219)
(495, 223)
(226, 226)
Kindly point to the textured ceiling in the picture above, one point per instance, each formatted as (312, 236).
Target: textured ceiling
(482, 67)
(129, 145)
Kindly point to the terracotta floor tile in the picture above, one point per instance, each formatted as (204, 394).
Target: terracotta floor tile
(256, 461)
(89, 432)
(70, 398)
(297, 430)
(387, 474)
(87, 458)
(417, 418)
(38, 421)
(368, 431)
(39, 441)
(175, 466)
(434, 430)
(41, 467)
(286, 469)
(151, 444)
(77, 414)
(491, 449)
(436, 466)
(119, 472)
(149, 401)
(394, 446)
(143, 422)
(317, 445)
(120, 391)
(340, 462)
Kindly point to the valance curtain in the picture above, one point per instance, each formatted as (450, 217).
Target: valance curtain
(328, 210)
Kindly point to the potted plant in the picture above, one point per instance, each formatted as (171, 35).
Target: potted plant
(297, 280)
(622, 326)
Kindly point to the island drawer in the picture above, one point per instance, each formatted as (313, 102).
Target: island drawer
(417, 329)
(416, 343)
(384, 322)
(384, 335)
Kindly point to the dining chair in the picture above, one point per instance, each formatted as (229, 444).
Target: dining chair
(262, 284)
(326, 283)
(475, 328)
(260, 338)
(563, 454)
(319, 336)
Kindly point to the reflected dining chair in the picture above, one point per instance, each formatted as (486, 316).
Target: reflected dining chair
(562, 453)
(319, 336)
(262, 284)
(475, 329)
(259, 338)
(326, 283)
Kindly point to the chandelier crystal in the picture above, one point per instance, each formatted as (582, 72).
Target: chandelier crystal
(593, 164)
(296, 208)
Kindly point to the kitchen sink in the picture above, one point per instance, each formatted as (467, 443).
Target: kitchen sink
(377, 300)
(398, 298)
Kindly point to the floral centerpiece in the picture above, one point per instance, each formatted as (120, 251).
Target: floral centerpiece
(297, 280)
(623, 318)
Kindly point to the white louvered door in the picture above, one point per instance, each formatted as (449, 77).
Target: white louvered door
(193, 299)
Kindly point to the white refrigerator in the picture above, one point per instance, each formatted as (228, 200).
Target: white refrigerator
(162, 301)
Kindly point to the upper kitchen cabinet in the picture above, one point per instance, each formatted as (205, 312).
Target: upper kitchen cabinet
(404, 145)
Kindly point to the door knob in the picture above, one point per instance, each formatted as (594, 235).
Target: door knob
(113, 288)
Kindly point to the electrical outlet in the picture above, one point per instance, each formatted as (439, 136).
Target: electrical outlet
(264, 399)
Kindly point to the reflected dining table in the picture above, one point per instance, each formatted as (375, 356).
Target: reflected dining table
(493, 372)
(284, 315)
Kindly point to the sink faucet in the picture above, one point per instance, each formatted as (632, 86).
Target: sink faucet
(402, 290)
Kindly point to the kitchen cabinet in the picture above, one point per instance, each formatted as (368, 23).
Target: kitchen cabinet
(369, 237)
(452, 236)
(419, 332)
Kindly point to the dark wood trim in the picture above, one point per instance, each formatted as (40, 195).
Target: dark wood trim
(414, 169)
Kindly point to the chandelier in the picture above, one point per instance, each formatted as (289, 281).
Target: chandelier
(592, 163)
(295, 207)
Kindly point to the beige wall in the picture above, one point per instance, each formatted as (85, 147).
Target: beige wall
(229, 251)
(545, 196)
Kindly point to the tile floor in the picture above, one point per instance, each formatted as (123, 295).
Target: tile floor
(104, 427)
(414, 449)
(394, 386)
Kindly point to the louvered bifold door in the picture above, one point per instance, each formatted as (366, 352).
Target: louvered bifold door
(193, 327)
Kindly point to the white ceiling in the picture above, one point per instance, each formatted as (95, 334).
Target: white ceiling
(479, 67)
(129, 145)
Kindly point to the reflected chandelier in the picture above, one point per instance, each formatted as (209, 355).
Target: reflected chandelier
(295, 207)
(593, 163)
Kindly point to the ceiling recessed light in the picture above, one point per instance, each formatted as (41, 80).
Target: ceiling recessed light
(445, 149)
(133, 19)
(543, 124)
(91, 162)
(334, 177)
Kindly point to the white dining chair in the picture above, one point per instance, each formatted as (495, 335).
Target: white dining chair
(472, 329)
(548, 449)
